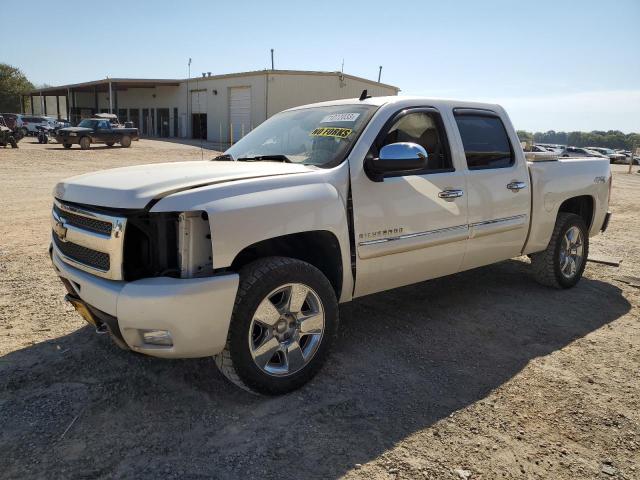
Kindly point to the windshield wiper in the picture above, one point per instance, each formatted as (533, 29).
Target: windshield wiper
(224, 156)
(258, 158)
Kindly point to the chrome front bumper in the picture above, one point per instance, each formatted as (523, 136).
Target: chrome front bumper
(197, 311)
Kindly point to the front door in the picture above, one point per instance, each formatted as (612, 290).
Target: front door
(413, 226)
(498, 189)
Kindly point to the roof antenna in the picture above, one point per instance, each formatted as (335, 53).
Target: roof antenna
(363, 95)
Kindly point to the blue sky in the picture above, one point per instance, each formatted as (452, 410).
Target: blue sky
(563, 65)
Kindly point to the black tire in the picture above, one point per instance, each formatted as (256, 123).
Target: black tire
(85, 143)
(66, 145)
(125, 141)
(110, 144)
(13, 142)
(547, 264)
(257, 280)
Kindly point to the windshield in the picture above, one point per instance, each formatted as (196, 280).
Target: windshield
(88, 123)
(319, 136)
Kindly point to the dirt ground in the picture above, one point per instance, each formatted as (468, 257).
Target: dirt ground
(484, 374)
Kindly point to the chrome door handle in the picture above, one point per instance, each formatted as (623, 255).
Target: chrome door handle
(450, 194)
(515, 186)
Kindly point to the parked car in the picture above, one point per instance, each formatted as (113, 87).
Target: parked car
(30, 124)
(614, 157)
(96, 130)
(13, 121)
(246, 258)
(7, 135)
(580, 152)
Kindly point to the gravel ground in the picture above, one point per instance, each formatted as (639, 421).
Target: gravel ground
(480, 375)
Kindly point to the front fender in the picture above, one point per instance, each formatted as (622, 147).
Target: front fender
(244, 213)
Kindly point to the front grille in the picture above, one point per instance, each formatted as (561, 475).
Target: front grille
(80, 254)
(86, 223)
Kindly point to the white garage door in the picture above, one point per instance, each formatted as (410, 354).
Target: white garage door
(240, 111)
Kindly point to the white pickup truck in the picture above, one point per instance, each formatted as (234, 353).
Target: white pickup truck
(246, 257)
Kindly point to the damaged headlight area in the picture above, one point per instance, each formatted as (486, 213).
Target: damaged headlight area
(171, 244)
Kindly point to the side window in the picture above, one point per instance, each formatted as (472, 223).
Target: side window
(103, 125)
(485, 140)
(424, 129)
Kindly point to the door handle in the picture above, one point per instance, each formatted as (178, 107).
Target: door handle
(449, 195)
(516, 186)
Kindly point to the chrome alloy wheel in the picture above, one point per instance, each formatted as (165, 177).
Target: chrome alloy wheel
(571, 252)
(286, 329)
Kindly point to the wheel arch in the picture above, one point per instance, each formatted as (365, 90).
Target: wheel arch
(320, 248)
(582, 205)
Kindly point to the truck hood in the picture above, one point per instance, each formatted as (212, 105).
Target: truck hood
(134, 187)
(74, 129)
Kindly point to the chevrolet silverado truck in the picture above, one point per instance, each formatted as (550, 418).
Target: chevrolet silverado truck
(246, 257)
(96, 130)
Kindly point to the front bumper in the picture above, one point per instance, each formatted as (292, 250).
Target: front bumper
(196, 311)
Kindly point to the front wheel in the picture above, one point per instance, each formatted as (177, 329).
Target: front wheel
(284, 320)
(85, 143)
(13, 142)
(126, 141)
(562, 264)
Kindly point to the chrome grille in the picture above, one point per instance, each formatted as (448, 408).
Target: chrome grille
(86, 223)
(83, 255)
(88, 240)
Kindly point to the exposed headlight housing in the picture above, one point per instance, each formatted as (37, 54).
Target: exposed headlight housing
(167, 244)
(194, 245)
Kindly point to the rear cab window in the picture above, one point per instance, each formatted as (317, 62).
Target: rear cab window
(485, 140)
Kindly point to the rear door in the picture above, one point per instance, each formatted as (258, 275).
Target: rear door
(498, 188)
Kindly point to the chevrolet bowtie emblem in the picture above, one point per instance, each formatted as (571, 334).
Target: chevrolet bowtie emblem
(60, 230)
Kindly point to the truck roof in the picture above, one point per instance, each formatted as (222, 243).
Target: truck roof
(402, 101)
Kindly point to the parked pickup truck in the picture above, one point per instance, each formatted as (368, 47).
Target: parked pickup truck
(246, 257)
(96, 130)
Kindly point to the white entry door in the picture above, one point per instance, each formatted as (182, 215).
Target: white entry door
(239, 112)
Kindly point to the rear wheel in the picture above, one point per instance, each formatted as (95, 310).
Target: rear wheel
(562, 264)
(284, 320)
(85, 143)
(126, 141)
(110, 144)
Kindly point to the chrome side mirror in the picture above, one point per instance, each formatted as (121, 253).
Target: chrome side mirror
(400, 157)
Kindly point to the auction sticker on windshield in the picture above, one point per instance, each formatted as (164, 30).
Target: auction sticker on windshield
(340, 117)
(331, 132)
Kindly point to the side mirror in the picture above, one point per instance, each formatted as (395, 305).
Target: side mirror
(400, 157)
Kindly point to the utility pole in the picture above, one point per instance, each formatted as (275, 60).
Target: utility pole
(272, 67)
(186, 117)
(379, 73)
(110, 97)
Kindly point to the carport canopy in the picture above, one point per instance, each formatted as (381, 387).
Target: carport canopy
(95, 87)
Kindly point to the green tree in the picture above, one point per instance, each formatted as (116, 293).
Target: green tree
(13, 83)
(525, 136)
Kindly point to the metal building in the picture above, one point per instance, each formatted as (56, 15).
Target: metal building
(218, 108)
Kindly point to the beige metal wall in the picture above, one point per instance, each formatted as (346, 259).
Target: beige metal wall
(286, 90)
